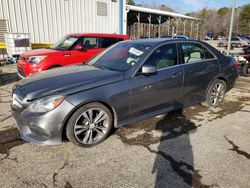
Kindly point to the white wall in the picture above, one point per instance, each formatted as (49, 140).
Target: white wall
(49, 20)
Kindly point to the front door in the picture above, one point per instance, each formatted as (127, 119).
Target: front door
(153, 93)
(91, 48)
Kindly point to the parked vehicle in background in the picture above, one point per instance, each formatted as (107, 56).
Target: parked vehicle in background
(209, 36)
(244, 64)
(130, 81)
(247, 39)
(235, 42)
(246, 50)
(72, 49)
(220, 38)
(180, 37)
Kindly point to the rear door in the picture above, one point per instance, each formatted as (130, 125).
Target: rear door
(151, 93)
(200, 68)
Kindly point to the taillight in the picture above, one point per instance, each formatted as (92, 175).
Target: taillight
(246, 56)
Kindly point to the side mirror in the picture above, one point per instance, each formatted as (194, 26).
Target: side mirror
(148, 69)
(79, 47)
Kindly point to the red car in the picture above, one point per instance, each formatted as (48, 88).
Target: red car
(72, 49)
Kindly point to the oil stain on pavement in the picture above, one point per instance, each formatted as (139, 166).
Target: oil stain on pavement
(174, 151)
(8, 139)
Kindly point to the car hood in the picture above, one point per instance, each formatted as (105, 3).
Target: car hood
(38, 52)
(66, 80)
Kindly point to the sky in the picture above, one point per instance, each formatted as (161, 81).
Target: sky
(184, 6)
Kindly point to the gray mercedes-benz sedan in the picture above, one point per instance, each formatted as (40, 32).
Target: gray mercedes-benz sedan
(128, 82)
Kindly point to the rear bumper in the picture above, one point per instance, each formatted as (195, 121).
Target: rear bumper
(231, 80)
(43, 129)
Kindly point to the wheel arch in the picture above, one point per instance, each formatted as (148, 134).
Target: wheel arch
(220, 77)
(105, 103)
(54, 66)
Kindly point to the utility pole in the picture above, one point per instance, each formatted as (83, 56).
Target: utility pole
(120, 24)
(231, 27)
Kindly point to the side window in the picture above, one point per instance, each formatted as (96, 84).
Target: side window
(90, 42)
(208, 54)
(192, 52)
(106, 42)
(163, 57)
(235, 39)
(120, 39)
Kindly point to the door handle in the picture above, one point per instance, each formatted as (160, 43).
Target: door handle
(176, 74)
(66, 55)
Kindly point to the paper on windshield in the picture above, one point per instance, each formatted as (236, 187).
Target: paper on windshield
(135, 51)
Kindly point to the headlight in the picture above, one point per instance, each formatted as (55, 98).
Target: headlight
(36, 59)
(45, 104)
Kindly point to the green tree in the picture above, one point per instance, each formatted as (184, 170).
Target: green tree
(166, 8)
(131, 2)
(244, 25)
(223, 11)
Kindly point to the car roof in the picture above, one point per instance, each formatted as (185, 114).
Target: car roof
(98, 35)
(155, 41)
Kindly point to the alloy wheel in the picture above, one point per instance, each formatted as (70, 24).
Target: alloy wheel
(217, 94)
(91, 126)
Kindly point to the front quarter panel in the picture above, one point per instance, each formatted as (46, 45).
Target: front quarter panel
(116, 95)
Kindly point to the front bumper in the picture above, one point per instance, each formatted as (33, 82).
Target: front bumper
(44, 129)
(25, 69)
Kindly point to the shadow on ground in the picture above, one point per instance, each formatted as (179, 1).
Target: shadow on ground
(7, 78)
(168, 138)
(8, 139)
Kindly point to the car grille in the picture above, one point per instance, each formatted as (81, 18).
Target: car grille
(20, 71)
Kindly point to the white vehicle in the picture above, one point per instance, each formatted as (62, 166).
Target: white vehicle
(244, 64)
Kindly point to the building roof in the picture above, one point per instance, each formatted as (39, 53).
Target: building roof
(146, 12)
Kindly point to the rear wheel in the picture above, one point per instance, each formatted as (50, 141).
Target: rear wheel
(89, 125)
(245, 69)
(239, 45)
(215, 94)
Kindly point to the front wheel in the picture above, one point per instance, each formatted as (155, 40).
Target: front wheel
(215, 94)
(89, 125)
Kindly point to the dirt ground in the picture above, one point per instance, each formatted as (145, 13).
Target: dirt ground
(195, 147)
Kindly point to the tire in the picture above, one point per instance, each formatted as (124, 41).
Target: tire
(81, 128)
(215, 95)
(245, 70)
(220, 44)
(239, 45)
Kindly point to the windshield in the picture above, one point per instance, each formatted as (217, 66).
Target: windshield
(65, 43)
(120, 57)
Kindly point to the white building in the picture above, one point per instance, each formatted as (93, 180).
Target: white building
(49, 20)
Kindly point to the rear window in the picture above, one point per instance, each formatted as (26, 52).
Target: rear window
(193, 52)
